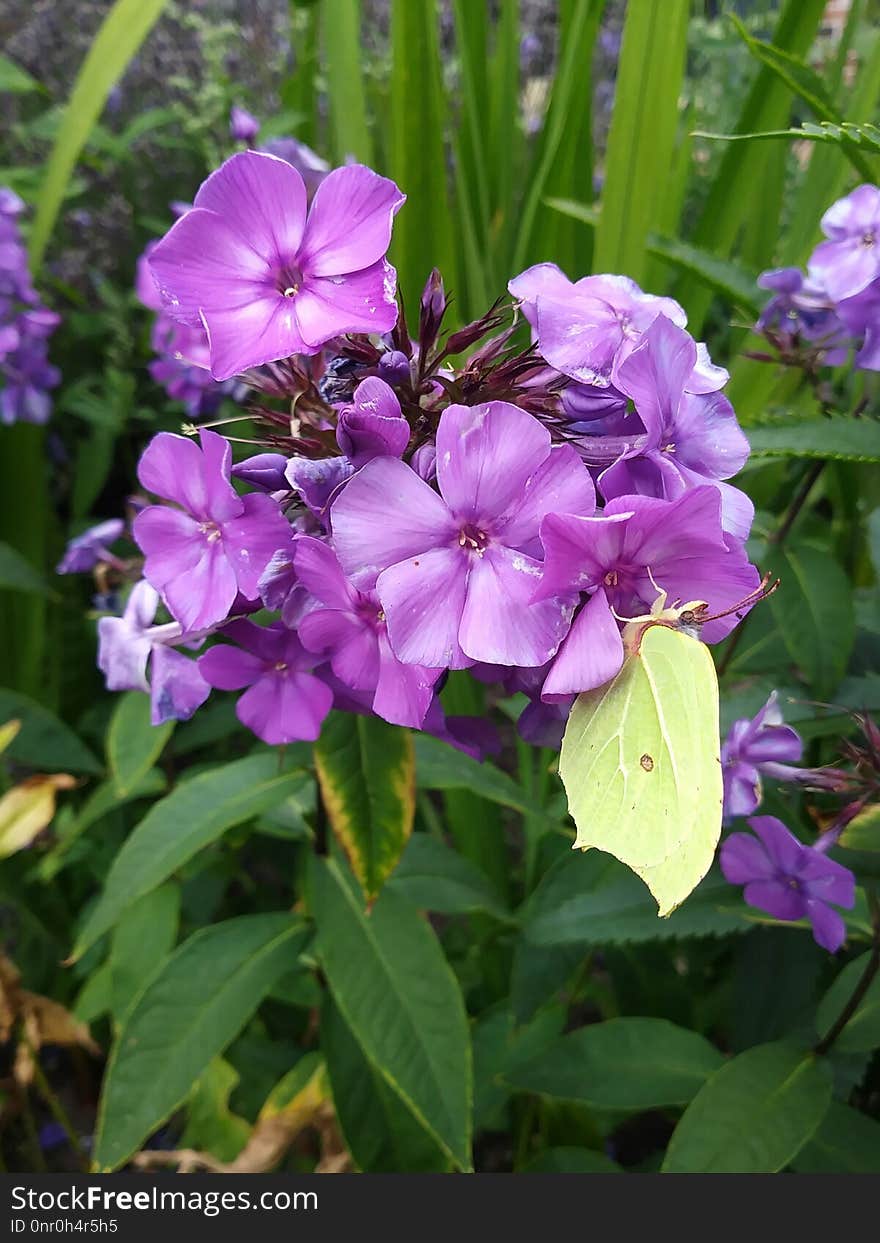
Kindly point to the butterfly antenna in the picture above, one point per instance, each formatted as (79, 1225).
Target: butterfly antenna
(765, 588)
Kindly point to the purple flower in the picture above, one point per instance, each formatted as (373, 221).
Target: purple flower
(861, 316)
(267, 278)
(789, 880)
(217, 543)
(127, 643)
(25, 326)
(455, 573)
(307, 162)
(285, 702)
(751, 747)
(243, 126)
(85, 551)
(802, 308)
(850, 260)
(29, 376)
(264, 471)
(691, 439)
(585, 329)
(373, 425)
(183, 367)
(318, 482)
(619, 556)
(349, 627)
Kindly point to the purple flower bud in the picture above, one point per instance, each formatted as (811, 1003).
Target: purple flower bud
(264, 471)
(242, 125)
(424, 461)
(394, 367)
(85, 551)
(373, 425)
(318, 483)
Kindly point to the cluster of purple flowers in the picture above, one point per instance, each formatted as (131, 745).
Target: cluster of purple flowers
(404, 517)
(835, 305)
(25, 327)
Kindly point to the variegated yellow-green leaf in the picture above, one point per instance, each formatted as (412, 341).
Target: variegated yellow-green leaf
(641, 764)
(366, 769)
(27, 809)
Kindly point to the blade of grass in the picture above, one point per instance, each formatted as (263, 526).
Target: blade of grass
(345, 86)
(643, 129)
(122, 32)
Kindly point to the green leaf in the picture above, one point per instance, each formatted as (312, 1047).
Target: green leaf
(16, 81)
(17, 573)
(571, 1161)
(203, 996)
(343, 48)
(813, 608)
(643, 130)
(753, 1116)
(626, 1063)
(590, 899)
(863, 833)
(500, 1047)
(441, 767)
(397, 993)
(418, 123)
(142, 940)
(211, 1126)
(43, 742)
(193, 815)
(133, 743)
(366, 769)
(436, 878)
(852, 440)
(851, 139)
(847, 1142)
(862, 1031)
(122, 32)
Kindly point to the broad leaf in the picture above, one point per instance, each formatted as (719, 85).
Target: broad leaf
(626, 1063)
(16, 572)
(366, 768)
(43, 741)
(142, 940)
(441, 767)
(397, 993)
(133, 744)
(571, 1161)
(753, 1116)
(437, 878)
(863, 833)
(862, 1031)
(847, 1142)
(813, 609)
(203, 996)
(194, 814)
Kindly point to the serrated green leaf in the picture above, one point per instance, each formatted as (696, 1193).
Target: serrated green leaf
(626, 1063)
(852, 440)
(590, 899)
(813, 609)
(862, 1031)
(366, 769)
(847, 1142)
(122, 32)
(397, 994)
(753, 1116)
(441, 767)
(195, 813)
(133, 743)
(188, 1014)
(435, 877)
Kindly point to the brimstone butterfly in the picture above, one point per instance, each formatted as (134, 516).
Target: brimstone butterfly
(641, 756)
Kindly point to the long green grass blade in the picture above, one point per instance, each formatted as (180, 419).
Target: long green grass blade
(643, 130)
(123, 31)
(345, 85)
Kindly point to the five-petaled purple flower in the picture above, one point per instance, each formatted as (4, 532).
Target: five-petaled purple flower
(789, 880)
(284, 701)
(455, 573)
(763, 744)
(217, 543)
(850, 259)
(270, 277)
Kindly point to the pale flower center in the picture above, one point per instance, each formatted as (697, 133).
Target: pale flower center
(472, 539)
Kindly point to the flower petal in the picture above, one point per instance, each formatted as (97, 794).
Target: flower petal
(285, 709)
(560, 485)
(328, 306)
(203, 264)
(263, 199)
(349, 225)
(423, 600)
(177, 686)
(829, 929)
(262, 330)
(591, 654)
(252, 540)
(485, 455)
(744, 858)
(499, 625)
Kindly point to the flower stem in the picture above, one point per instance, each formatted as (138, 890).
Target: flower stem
(861, 988)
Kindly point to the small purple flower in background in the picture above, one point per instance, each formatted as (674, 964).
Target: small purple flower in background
(310, 166)
(348, 626)
(217, 543)
(373, 425)
(850, 260)
(243, 126)
(800, 307)
(125, 646)
(284, 701)
(763, 744)
(789, 880)
(455, 573)
(267, 277)
(636, 546)
(25, 327)
(85, 551)
(861, 316)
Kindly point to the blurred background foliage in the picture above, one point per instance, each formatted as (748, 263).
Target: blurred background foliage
(577, 132)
